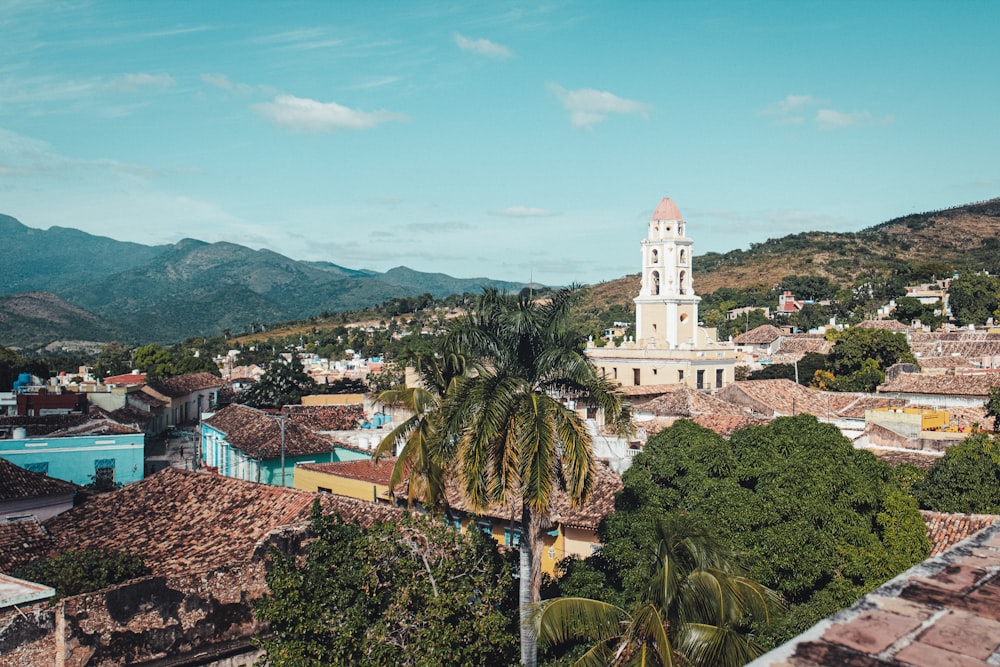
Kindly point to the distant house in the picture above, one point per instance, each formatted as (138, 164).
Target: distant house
(76, 448)
(25, 494)
(186, 396)
(246, 443)
(970, 390)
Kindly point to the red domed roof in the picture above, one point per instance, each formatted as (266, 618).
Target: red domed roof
(667, 210)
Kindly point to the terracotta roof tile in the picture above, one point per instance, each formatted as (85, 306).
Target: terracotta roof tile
(182, 385)
(326, 417)
(185, 522)
(365, 470)
(254, 432)
(125, 379)
(683, 401)
(978, 384)
(16, 482)
(22, 541)
(786, 397)
(944, 530)
(762, 335)
(647, 389)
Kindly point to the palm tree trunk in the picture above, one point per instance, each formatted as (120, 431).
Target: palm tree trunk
(530, 583)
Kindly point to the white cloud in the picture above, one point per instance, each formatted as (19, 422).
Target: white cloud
(524, 212)
(483, 47)
(831, 119)
(791, 109)
(132, 82)
(304, 115)
(587, 106)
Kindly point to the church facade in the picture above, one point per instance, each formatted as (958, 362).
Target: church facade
(669, 347)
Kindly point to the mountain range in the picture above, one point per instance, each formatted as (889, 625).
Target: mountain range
(65, 284)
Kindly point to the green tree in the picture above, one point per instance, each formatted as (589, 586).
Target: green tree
(113, 359)
(415, 592)
(974, 298)
(423, 458)
(993, 407)
(516, 441)
(966, 479)
(72, 571)
(696, 609)
(283, 383)
(811, 517)
(860, 356)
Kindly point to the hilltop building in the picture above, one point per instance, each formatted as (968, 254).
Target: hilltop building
(669, 347)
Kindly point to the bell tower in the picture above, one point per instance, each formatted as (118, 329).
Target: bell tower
(666, 310)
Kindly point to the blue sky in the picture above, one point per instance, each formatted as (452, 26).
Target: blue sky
(508, 140)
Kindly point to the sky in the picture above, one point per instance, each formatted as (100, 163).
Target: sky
(518, 141)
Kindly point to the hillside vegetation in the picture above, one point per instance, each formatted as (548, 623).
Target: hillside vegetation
(960, 239)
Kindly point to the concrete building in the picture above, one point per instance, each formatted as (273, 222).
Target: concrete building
(669, 347)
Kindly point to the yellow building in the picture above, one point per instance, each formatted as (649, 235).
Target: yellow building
(669, 346)
(574, 529)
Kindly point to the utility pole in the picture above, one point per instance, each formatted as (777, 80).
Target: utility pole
(281, 421)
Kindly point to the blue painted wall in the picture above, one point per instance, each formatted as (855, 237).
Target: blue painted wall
(76, 459)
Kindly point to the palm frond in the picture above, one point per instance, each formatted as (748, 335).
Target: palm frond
(562, 620)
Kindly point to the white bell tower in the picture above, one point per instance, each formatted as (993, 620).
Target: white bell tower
(666, 310)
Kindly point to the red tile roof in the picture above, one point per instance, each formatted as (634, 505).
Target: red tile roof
(125, 380)
(185, 522)
(944, 530)
(22, 541)
(683, 401)
(364, 470)
(182, 385)
(16, 482)
(977, 385)
(257, 434)
(765, 334)
(888, 325)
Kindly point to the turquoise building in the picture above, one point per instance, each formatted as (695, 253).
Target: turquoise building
(80, 459)
(246, 443)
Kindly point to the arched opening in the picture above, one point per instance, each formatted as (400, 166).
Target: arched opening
(683, 256)
(655, 257)
(656, 283)
(682, 286)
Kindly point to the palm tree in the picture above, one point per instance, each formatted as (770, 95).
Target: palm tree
(515, 440)
(695, 610)
(423, 458)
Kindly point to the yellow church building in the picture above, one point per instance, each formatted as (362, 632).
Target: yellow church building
(669, 346)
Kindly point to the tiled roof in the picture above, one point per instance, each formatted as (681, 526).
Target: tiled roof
(16, 482)
(945, 530)
(803, 343)
(588, 515)
(95, 422)
(954, 385)
(148, 399)
(944, 611)
(185, 522)
(365, 470)
(22, 541)
(785, 397)
(945, 362)
(124, 380)
(894, 457)
(327, 417)
(888, 325)
(762, 335)
(683, 401)
(964, 343)
(724, 425)
(182, 385)
(647, 389)
(255, 433)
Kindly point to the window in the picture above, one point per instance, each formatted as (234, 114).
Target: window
(680, 376)
(718, 377)
(682, 255)
(656, 256)
(104, 471)
(486, 527)
(322, 489)
(656, 282)
(42, 467)
(635, 376)
(511, 538)
(682, 280)
(700, 382)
